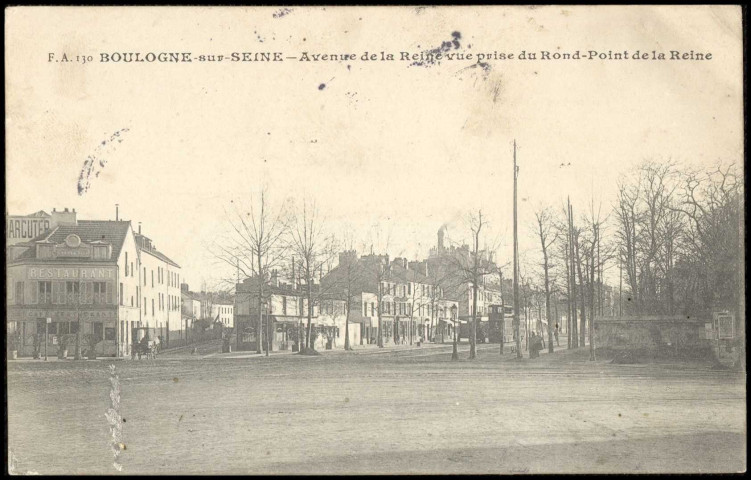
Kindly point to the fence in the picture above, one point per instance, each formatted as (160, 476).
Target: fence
(194, 336)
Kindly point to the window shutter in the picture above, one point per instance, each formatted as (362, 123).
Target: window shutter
(58, 293)
(110, 292)
(89, 295)
(34, 291)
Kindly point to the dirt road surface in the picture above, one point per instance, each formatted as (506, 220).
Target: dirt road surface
(399, 411)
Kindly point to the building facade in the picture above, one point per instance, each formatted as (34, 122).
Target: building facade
(397, 298)
(85, 276)
(222, 311)
(160, 294)
(80, 277)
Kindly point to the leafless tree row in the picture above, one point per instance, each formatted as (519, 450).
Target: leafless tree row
(670, 245)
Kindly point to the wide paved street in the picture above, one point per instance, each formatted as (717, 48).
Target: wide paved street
(397, 411)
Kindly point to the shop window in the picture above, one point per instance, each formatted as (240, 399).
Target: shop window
(110, 333)
(97, 329)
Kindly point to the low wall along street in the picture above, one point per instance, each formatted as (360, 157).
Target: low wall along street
(654, 337)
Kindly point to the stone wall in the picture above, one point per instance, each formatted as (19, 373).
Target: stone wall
(660, 337)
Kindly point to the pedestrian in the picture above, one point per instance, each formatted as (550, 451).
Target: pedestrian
(533, 345)
(556, 335)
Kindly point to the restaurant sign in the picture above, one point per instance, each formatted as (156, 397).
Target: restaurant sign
(62, 273)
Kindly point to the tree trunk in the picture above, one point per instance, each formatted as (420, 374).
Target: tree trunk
(259, 335)
(473, 329)
(547, 301)
(574, 333)
(308, 341)
(592, 296)
(583, 320)
(347, 346)
(269, 332)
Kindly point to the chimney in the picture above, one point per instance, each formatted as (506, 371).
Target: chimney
(139, 228)
(274, 278)
(66, 209)
(117, 212)
(440, 238)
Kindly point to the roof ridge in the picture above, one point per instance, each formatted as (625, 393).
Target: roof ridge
(51, 233)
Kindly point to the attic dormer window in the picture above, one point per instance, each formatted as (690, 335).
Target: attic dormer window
(101, 252)
(44, 251)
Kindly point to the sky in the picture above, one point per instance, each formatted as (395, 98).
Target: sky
(387, 150)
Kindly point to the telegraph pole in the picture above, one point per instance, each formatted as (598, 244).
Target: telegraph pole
(516, 267)
(237, 323)
(503, 311)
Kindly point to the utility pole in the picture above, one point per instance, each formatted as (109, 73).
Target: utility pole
(503, 310)
(572, 258)
(516, 267)
(237, 323)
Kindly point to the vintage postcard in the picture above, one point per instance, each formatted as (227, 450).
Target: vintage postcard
(375, 240)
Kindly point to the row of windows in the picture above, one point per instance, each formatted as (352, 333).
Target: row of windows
(404, 290)
(65, 293)
(173, 278)
(173, 303)
(397, 308)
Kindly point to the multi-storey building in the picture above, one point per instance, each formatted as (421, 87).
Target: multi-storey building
(283, 304)
(190, 313)
(80, 277)
(89, 275)
(451, 266)
(412, 304)
(161, 305)
(222, 311)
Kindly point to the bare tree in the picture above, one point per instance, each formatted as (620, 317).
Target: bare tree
(313, 248)
(254, 247)
(349, 283)
(548, 237)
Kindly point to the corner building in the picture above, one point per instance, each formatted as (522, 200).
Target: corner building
(91, 275)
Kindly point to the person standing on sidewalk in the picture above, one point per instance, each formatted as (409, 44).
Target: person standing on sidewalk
(556, 335)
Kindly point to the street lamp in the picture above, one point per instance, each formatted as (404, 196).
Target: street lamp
(455, 353)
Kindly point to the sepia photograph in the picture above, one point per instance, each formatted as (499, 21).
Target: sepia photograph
(366, 240)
